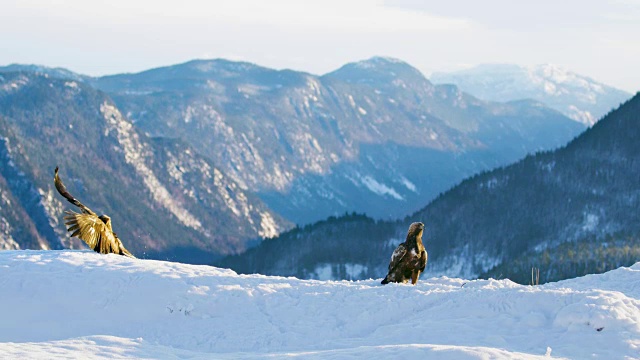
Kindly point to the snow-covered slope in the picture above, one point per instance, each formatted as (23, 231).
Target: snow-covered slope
(79, 304)
(578, 97)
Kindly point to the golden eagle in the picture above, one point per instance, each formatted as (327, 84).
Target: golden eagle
(94, 230)
(409, 258)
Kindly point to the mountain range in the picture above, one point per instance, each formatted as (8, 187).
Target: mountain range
(206, 158)
(566, 212)
(374, 136)
(579, 97)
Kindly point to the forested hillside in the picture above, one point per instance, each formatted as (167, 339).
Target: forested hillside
(583, 197)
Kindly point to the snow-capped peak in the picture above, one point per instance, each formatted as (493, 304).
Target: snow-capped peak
(578, 97)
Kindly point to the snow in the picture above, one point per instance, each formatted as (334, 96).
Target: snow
(377, 62)
(7, 242)
(268, 226)
(84, 305)
(322, 272)
(325, 271)
(590, 222)
(252, 89)
(408, 184)
(379, 188)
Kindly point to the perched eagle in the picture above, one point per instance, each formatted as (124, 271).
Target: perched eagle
(95, 230)
(409, 258)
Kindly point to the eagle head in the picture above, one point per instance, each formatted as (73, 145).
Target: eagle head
(415, 230)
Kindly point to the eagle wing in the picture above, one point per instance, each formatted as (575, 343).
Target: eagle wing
(423, 260)
(93, 231)
(90, 229)
(63, 191)
(398, 254)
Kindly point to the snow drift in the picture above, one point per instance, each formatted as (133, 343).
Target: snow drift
(80, 304)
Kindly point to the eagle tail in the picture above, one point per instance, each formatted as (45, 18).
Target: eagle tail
(385, 280)
(126, 252)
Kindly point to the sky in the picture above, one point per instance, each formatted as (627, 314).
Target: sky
(599, 39)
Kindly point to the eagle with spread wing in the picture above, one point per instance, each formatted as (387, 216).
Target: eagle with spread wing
(409, 259)
(94, 230)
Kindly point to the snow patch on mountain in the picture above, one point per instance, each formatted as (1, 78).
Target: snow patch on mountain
(408, 184)
(15, 85)
(252, 89)
(590, 223)
(583, 116)
(54, 209)
(379, 188)
(6, 240)
(268, 226)
(376, 62)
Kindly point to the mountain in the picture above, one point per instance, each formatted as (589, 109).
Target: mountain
(573, 210)
(204, 159)
(578, 97)
(165, 200)
(83, 305)
(58, 72)
(374, 136)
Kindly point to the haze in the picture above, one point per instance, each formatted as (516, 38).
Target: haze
(593, 38)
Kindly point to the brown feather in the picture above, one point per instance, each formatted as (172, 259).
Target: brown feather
(409, 258)
(94, 230)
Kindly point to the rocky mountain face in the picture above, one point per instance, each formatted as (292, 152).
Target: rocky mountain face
(578, 97)
(374, 137)
(165, 200)
(567, 212)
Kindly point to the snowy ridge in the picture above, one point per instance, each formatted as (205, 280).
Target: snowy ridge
(79, 304)
(578, 97)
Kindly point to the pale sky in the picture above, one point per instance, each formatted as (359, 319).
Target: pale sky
(600, 39)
